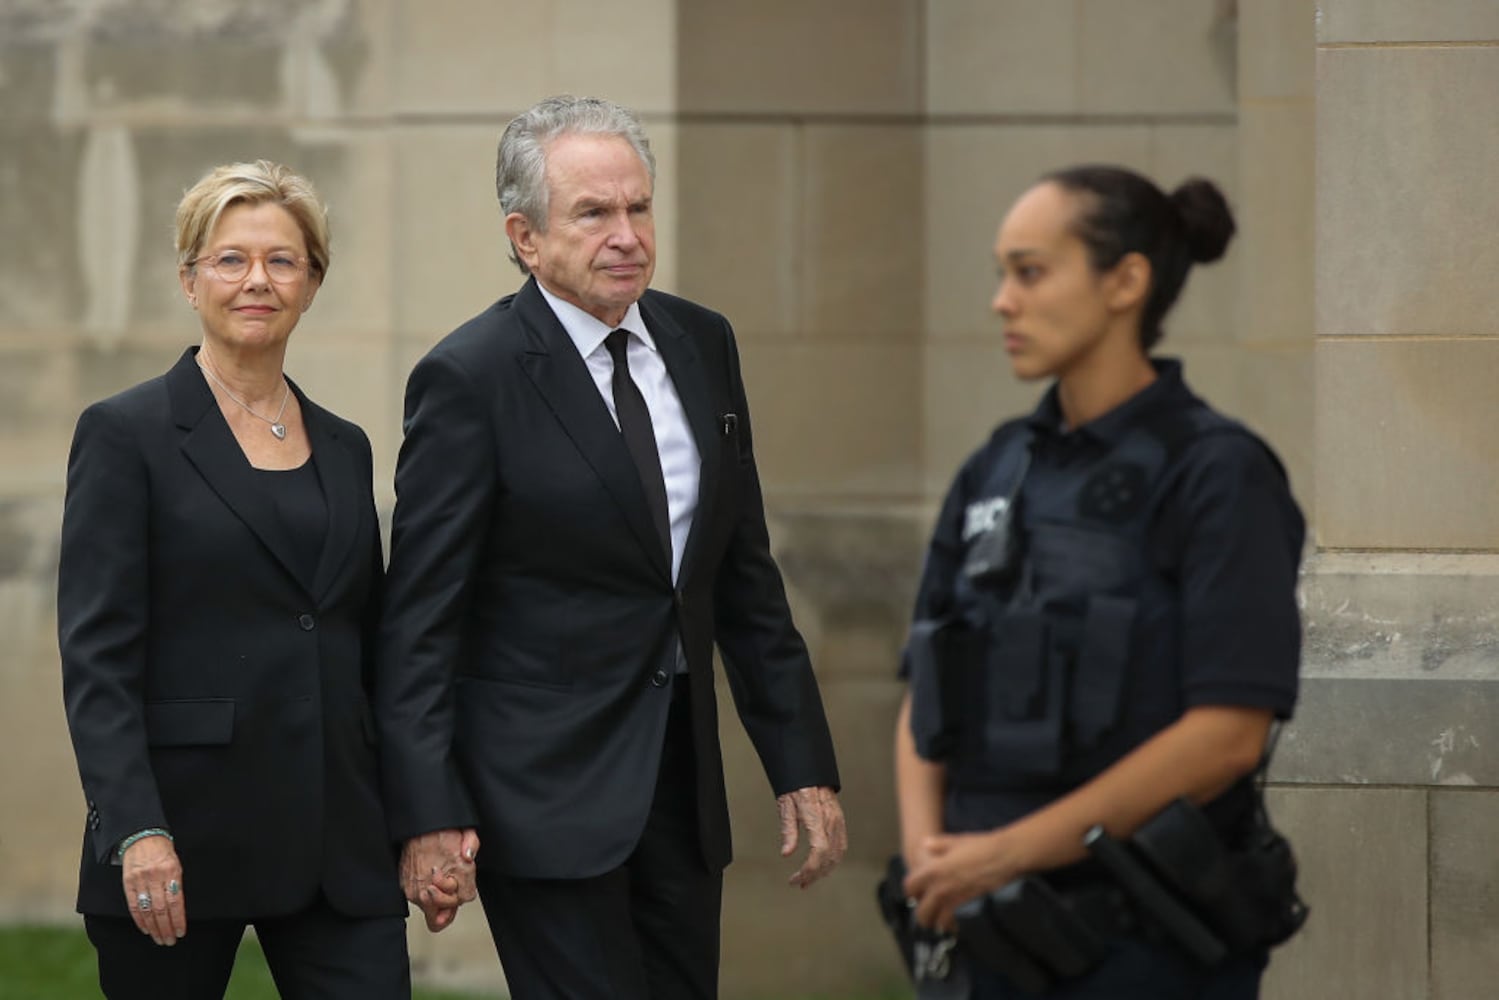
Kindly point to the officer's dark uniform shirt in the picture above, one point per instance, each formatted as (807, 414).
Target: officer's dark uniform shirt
(1207, 617)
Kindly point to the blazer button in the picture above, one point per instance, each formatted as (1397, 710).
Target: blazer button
(307, 622)
(659, 679)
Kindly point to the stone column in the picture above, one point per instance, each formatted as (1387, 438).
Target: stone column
(1392, 800)
(1015, 89)
(1274, 245)
(800, 210)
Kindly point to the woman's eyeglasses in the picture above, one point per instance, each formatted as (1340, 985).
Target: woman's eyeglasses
(233, 265)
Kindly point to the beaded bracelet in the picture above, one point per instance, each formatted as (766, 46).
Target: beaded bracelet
(154, 831)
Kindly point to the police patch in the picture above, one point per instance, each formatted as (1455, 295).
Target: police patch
(1114, 493)
(981, 515)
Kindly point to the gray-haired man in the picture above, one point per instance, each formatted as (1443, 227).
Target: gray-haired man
(578, 522)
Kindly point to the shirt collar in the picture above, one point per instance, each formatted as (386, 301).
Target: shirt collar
(586, 331)
(1168, 389)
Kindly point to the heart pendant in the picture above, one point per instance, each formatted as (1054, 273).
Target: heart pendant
(279, 430)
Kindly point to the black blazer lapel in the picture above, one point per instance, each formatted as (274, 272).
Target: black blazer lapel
(554, 367)
(210, 446)
(337, 472)
(687, 375)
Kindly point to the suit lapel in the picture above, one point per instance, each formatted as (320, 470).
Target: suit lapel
(561, 376)
(691, 382)
(211, 448)
(337, 470)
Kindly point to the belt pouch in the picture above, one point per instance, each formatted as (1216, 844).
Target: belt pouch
(1182, 846)
(989, 945)
(931, 959)
(1098, 679)
(940, 655)
(890, 896)
(1264, 881)
(1226, 887)
(1022, 697)
(1154, 901)
(1016, 666)
(1041, 922)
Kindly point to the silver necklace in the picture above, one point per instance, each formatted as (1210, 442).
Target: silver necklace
(277, 427)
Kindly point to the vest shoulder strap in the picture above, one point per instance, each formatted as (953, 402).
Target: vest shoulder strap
(1179, 428)
(1010, 446)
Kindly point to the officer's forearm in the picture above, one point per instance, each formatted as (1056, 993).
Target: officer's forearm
(920, 785)
(1197, 757)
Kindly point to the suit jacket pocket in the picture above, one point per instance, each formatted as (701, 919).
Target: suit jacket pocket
(734, 443)
(190, 722)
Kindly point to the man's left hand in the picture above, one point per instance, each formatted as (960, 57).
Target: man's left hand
(817, 811)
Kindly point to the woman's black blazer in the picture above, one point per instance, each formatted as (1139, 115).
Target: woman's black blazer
(210, 689)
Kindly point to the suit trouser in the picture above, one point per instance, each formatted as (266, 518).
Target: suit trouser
(314, 954)
(647, 930)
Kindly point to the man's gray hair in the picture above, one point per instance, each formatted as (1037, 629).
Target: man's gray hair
(520, 168)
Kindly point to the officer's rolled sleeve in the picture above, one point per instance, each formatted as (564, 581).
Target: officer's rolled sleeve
(1241, 629)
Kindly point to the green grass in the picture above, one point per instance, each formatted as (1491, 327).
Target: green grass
(57, 963)
(40, 964)
(50, 963)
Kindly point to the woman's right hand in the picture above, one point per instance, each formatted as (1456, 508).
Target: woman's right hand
(153, 875)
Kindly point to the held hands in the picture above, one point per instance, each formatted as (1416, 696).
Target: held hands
(437, 874)
(817, 811)
(951, 868)
(152, 880)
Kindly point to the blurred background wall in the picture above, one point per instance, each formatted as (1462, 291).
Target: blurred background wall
(831, 173)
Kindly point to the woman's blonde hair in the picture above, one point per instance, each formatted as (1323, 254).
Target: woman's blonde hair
(252, 184)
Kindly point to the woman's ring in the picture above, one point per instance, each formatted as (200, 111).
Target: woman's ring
(143, 901)
(173, 887)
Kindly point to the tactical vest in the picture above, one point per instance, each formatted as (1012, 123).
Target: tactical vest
(1038, 684)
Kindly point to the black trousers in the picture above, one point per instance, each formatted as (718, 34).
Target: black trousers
(315, 954)
(1140, 970)
(647, 930)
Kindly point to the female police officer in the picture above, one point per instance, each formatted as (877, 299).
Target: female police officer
(1127, 560)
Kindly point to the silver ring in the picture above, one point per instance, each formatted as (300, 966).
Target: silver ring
(173, 887)
(143, 901)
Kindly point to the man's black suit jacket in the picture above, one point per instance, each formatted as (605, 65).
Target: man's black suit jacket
(210, 689)
(529, 636)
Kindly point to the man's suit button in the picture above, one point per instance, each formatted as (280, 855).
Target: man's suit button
(659, 679)
(307, 622)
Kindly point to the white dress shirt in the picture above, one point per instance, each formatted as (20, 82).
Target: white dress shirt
(680, 462)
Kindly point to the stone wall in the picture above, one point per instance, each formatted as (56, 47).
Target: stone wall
(831, 173)
(1389, 773)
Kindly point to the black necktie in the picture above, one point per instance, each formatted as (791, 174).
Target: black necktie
(639, 435)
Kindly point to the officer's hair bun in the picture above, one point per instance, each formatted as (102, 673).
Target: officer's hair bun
(1207, 221)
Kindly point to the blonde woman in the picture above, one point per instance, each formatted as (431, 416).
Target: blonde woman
(218, 583)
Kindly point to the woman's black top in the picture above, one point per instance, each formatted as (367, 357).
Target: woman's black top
(296, 495)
